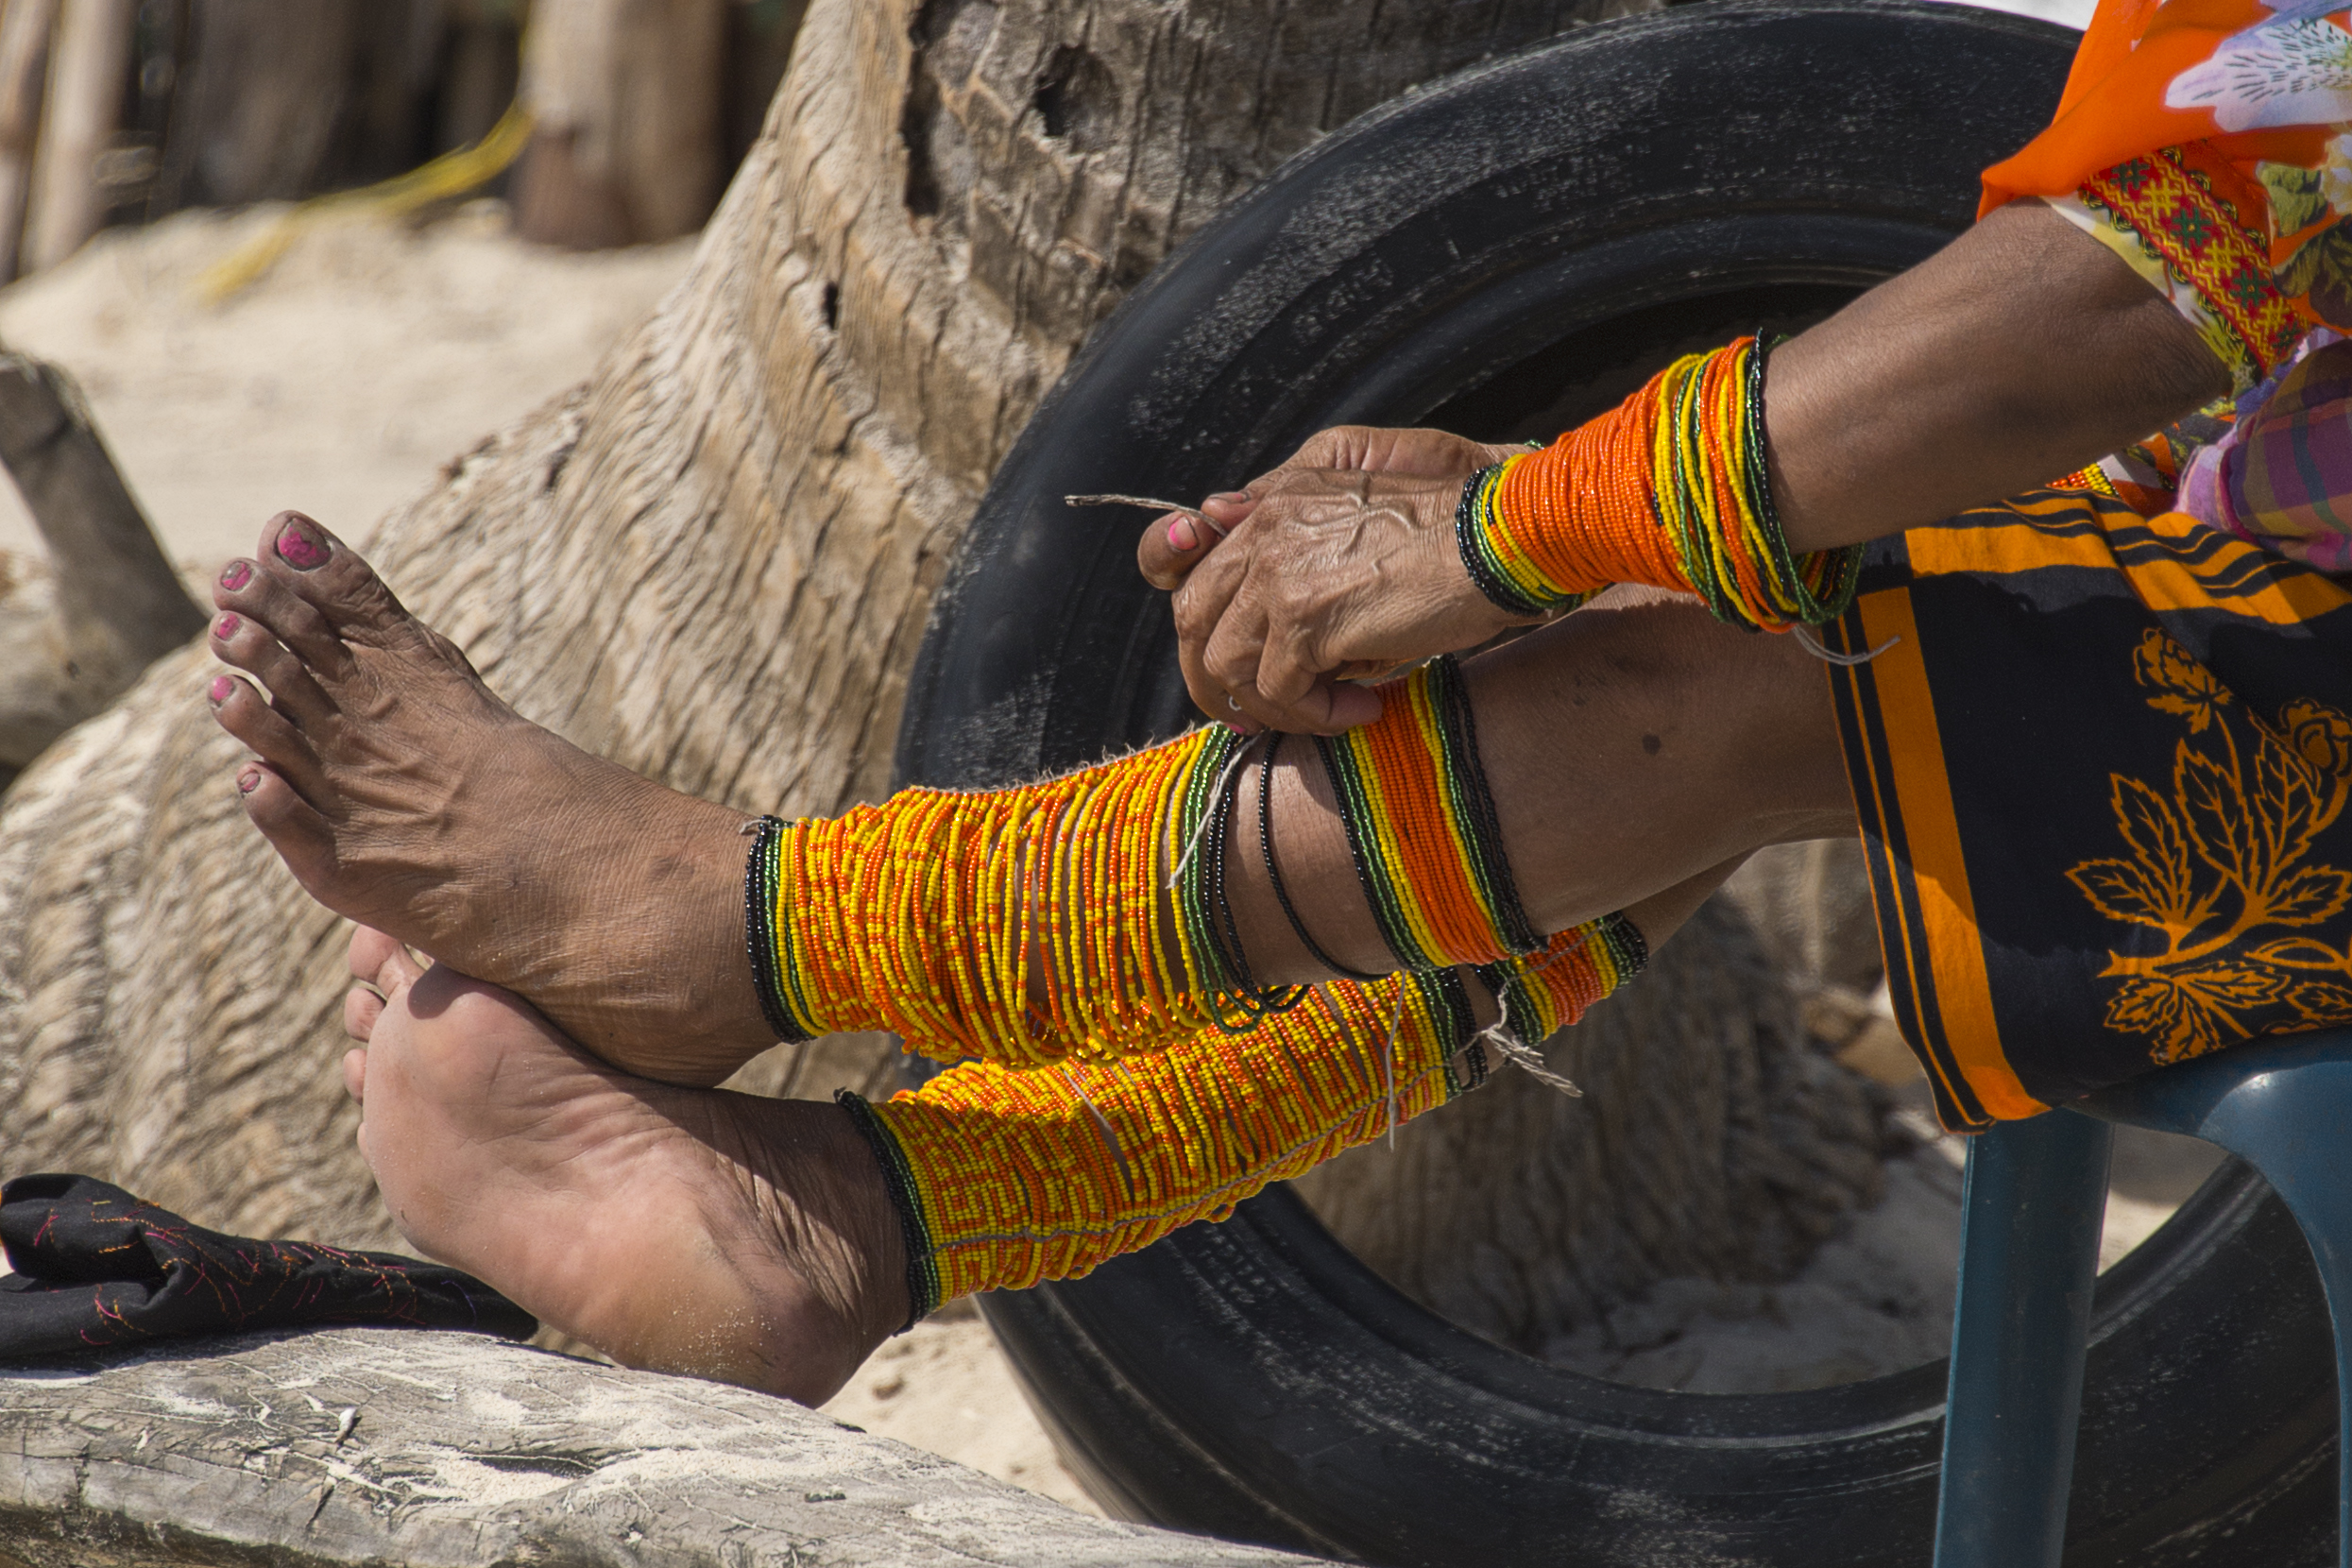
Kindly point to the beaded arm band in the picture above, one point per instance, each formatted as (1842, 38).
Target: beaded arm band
(1422, 827)
(1671, 489)
(1004, 1179)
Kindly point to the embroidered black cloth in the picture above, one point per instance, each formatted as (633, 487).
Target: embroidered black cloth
(96, 1267)
(2104, 769)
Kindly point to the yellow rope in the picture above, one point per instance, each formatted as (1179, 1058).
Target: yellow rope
(452, 174)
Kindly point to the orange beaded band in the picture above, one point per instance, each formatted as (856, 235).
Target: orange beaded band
(1004, 1179)
(1671, 489)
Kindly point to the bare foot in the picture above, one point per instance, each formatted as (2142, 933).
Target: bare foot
(692, 1230)
(403, 794)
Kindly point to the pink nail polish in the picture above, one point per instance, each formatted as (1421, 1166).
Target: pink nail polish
(301, 549)
(226, 627)
(249, 780)
(222, 686)
(238, 574)
(1181, 535)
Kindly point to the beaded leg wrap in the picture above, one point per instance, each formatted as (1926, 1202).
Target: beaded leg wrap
(1669, 488)
(1004, 1179)
(1033, 926)
(921, 915)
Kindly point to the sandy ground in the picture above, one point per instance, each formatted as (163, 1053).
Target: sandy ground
(367, 358)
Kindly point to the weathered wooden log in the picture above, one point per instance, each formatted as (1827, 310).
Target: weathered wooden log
(110, 603)
(25, 29)
(89, 64)
(450, 1451)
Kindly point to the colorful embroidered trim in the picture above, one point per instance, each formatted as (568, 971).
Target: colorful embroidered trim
(1006, 1179)
(1422, 827)
(1672, 488)
(920, 915)
(2178, 220)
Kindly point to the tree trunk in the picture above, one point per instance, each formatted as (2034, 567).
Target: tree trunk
(629, 99)
(713, 563)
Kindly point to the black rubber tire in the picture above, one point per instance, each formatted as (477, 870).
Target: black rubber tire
(1572, 215)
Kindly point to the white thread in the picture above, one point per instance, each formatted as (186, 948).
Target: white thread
(1806, 641)
(1215, 794)
(1522, 1055)
(1194, 513)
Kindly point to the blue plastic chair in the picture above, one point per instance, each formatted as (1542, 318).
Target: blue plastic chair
(2031, 1204)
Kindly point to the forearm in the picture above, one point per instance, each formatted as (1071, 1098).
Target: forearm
(2021, 351)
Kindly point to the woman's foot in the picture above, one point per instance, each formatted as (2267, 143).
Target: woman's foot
(692, 1230)
(403, 794)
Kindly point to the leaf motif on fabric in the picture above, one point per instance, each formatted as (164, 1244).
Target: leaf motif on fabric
(2307, 896)
(2214, 804)
(2182, 685)
(2301, 952)
(2322, 1002)
(2124, 889)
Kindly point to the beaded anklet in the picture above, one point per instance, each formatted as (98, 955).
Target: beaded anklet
(1005, 1178)
(1671, 489)
(1422, 827)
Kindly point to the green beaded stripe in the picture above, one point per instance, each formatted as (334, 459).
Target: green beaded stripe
(898, 1177)
(767, 940)
(1473, 805)
(1470, 819)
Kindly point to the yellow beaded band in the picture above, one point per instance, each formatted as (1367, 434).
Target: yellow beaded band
(921, 915)
(1005, 1178)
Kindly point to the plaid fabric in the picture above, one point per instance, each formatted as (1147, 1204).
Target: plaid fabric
(2286, 473)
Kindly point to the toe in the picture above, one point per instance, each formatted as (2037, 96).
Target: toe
(333, 578)
(292, 826)
(245, 589)
(382, 960)
(246, 714)
(362, 1007)
(247, 643)
(355, 1074)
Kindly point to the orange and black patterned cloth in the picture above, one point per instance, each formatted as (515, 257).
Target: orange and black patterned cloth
(2102, 774)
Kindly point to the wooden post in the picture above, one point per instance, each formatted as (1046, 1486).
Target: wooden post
(25, 29)
(88, 62)
(115, 604)
(628, 96)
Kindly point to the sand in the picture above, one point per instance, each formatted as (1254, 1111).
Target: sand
(339, 384)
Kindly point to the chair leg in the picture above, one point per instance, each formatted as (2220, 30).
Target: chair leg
(2032, 1206)
(2292, 1122)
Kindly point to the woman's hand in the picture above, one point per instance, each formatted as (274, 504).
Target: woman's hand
(1338, 565)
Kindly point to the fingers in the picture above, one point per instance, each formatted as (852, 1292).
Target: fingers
(1173, 544)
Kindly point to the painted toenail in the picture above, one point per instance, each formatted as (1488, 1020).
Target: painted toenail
(249, 780)
(222, 686)
(226, 627)
(238, 574)
(301, 549)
